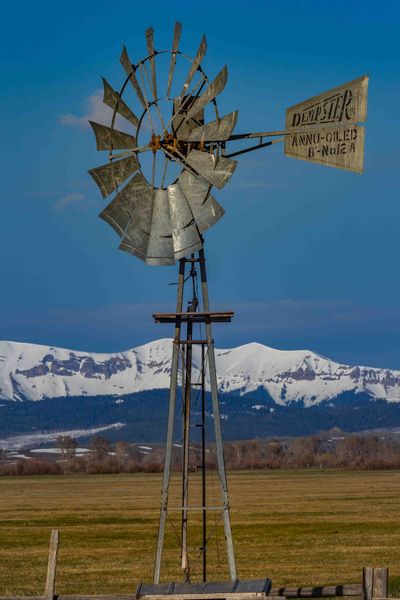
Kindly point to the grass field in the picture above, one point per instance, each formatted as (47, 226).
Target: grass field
(299, 528)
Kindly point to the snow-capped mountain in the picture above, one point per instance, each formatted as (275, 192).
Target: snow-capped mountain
(33, 372)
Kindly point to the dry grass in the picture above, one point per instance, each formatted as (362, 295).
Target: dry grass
(300, 527)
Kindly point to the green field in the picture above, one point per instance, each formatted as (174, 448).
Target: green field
(299, 528)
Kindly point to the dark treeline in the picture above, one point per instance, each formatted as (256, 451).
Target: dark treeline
(351, 452)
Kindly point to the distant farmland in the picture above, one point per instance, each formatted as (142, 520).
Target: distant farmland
(297, 527)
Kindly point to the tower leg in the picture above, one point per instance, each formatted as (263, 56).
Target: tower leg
(203, 461)
(187, 370)
(217, 422)
(187, 385)
(170, 426)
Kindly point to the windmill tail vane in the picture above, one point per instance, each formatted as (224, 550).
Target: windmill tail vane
(168, 146)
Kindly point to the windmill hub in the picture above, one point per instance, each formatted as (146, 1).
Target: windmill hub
(155, 143)
(174, 146)
(169, 143)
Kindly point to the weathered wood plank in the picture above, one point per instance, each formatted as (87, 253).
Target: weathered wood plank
(134, 597)
(367, 582)
(341, 146)
(97, 597)
(325, 591)
(21, 597)
(211, 596)
(380, 584)
(76, 597)
(52, 565)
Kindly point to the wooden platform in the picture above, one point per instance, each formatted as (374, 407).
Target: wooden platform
(227, 590)
(194, 317)
(215, 596)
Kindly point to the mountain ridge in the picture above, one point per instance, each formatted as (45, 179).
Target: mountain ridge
(31, 372)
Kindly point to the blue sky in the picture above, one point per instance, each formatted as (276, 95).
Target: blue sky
(306, 256)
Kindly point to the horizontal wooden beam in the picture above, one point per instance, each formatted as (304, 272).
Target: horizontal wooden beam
(216, 596)
(194, 317)
(192, 342)
(322, 591)
(75, 597)
(210, 596)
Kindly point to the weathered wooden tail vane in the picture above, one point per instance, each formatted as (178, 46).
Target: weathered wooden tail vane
(327, 129)
(165, 156)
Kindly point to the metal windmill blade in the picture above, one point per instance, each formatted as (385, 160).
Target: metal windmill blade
(160, 221)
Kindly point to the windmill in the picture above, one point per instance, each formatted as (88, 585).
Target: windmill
(163, 163)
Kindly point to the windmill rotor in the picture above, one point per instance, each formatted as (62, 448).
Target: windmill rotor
(326, 129)
(160, 221)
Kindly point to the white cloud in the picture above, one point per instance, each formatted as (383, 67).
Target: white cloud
(96, 111)
(74, 200)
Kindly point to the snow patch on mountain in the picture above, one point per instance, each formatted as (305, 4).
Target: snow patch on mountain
(34, 372)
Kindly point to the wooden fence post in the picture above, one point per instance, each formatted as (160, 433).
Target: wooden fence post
(52, 565)
(367, 583)
(380, 583)
(375, 583)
